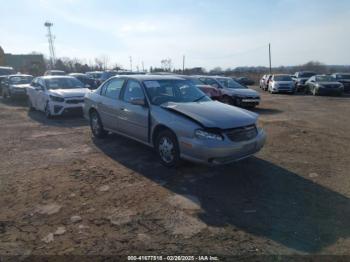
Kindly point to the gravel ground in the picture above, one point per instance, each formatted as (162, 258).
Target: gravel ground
(63, 192)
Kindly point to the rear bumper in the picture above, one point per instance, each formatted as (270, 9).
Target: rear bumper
(220, 152)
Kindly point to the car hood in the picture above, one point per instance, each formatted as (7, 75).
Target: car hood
(284, 82)
(242, 92)
(328, 83)
(213, 114)
(69, 92)
(303, 78)
(20, 85)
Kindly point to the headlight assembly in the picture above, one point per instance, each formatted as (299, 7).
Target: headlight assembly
(56, 98)
(202, 134)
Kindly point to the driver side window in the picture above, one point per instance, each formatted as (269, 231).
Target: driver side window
(132, 90)
(112, 88)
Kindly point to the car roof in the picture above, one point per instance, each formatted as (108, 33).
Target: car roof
(77, 74)
(19, 75)
(54, 76)
(150, 77)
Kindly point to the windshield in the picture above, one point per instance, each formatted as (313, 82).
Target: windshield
(6, 71)
(180, 91)
(306, 74)
(324, 79)
(195, 81)
(106, 75)
(95, 75)
(283, 78)
(63, 83)
(16, 80)
(230, 83)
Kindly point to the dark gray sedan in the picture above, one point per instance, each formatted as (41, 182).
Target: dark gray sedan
(175, 117)
(324, 85)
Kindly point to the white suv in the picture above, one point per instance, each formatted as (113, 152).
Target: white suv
(56, 95)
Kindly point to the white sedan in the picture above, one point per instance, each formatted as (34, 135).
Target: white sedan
(56, 95)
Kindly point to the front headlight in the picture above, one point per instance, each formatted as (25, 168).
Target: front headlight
(56, 98)
(258, 124)
(202, 134)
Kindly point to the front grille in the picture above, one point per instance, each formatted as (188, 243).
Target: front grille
(331, 86)
(73, 111)
(75, 101)
(242, 133)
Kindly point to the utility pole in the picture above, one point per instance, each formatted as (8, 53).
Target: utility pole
(143, 67)
(130, 59)
(51, 46)
(183, 64)
(270, 57)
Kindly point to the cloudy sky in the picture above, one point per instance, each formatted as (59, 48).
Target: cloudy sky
(226, 33)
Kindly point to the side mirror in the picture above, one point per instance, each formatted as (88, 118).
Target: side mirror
(138, 101)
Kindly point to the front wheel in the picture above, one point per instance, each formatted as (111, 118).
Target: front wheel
(4, 93)
(48, 111)
(96, 125)
(168, 149)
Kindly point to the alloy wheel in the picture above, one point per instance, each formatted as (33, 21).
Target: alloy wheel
(166, 149)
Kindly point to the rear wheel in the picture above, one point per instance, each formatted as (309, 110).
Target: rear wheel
(30, 104)
(168, 149)
(96, 125)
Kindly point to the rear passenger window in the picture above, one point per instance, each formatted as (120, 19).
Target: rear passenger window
(112, 88)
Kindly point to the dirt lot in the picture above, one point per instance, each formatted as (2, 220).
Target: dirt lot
(62, 192)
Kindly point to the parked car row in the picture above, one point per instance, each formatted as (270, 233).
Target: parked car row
(168, 113)
(308, 82)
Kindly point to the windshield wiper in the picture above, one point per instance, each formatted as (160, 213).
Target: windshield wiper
(200, 98)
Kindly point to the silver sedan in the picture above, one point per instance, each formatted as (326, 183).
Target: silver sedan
(173, 116)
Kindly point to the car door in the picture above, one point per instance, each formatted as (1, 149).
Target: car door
(31, 91)
(133, 119)
(109, 104)
(6, 85)
(40, 93)
(310, 84)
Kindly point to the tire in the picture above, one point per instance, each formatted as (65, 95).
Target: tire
(48, 112)
(96, 126)
(30, 104)
(4, 94)
(167, 149)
